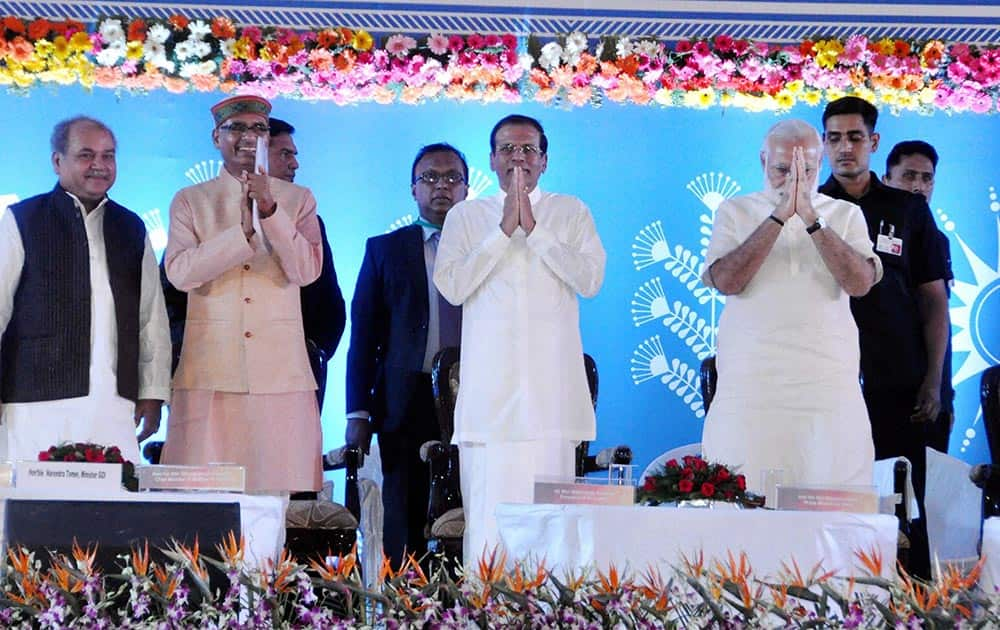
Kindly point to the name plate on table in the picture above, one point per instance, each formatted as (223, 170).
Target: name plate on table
(582, 492)
(85, 477)
(856, 499)
(218, 478)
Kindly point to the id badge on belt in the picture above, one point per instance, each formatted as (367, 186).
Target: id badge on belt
(887, 243)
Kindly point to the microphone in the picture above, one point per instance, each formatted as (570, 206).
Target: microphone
(613, 455)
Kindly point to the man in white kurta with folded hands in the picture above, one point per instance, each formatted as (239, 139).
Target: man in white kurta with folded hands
(789, 259)
(516, 262)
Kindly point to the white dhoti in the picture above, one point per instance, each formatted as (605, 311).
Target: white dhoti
(504, 472)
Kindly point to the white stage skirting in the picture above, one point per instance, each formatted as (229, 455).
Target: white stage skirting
(262, 517)
(635, 537)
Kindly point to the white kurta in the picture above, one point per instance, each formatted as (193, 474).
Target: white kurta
(522, 368)
(788, 395)
(102, 417)
(524, 402)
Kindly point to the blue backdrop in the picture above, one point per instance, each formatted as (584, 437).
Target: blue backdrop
(652, 177)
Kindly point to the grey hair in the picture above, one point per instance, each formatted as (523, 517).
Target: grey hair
(60, 133)
(791, 129)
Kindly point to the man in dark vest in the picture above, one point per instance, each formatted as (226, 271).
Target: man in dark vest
(85, 351)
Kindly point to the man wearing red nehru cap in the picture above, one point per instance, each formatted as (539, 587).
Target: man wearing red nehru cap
(243, 390)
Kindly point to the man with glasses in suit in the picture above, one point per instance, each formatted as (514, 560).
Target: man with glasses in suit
(398, 323)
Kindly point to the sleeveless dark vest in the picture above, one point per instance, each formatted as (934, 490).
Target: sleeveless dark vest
(45, 350)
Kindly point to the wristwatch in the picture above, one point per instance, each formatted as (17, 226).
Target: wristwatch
(818, 225)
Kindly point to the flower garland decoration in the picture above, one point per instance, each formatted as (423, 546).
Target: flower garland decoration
(348, 66)
(692, 478)
(94, 454)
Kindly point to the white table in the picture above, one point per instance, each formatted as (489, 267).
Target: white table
(577, 536)
(990, 579)
(262, 517)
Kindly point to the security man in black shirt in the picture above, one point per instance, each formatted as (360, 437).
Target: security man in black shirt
(903, 321)
(912, 165)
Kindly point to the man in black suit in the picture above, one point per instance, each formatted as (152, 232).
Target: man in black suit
(398, 323)
(323, 311)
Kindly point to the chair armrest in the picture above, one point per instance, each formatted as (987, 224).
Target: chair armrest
(619, 455)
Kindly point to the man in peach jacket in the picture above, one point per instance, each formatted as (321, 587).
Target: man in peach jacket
(243, 390)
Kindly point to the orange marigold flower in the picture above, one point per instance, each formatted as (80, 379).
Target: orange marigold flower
(343, 62)
(39, 29)
(629, 65)
(178, 21)
(137, 30)
(346, 35)
(223, 28)
(902, 48)
(806, 48)
(932, 54)
(13, 24)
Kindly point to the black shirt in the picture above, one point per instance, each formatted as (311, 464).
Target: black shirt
(893, 352)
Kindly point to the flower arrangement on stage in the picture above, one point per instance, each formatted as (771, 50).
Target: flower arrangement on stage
(329, 593)
(346, 66)
(95, 454)
(692, 478)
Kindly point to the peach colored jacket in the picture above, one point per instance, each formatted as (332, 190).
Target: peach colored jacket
(244, 320)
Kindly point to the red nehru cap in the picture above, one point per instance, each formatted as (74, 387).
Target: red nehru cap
(241, 104)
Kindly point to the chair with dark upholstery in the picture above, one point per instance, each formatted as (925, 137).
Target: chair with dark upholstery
(445, 519)
(989, 398)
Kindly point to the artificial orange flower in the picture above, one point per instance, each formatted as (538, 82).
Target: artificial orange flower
(344, 61)
(39, 29)
(21, 49)
(902, 48)
(223, 28)
(931, 55)
(175, 85)
(178, 22)
(204, 82)
(72, 26)
(328, 38)
(137, 30)
(107, 77)
(13, 24)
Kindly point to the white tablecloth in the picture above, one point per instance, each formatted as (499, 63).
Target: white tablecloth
(990, 579)
(576, 536)
(262, 517)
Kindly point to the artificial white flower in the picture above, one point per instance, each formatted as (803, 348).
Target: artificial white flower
(202, 67)
(111, 31)
(201, 49)
(526, 61)
(199, 30)
(111, 54)
(576, 43)
(226, 47)
(152, 49)
(184, 50)
(551, 54)
(158, 33)
(648, 47)
(624, 48)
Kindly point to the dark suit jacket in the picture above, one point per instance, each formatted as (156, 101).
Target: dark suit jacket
(389, 317)
(323, 314)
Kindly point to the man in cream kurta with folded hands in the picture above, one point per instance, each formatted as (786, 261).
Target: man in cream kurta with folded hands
(789, 259)
(516, 262)
(243, 390)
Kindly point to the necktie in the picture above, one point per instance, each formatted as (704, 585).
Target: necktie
(449, 315)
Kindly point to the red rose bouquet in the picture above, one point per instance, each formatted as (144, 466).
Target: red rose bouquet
(92, 453)
(690, 479)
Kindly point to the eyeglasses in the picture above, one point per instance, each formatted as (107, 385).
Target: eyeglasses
(238, 129)
(527, 150)
(431, 178)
